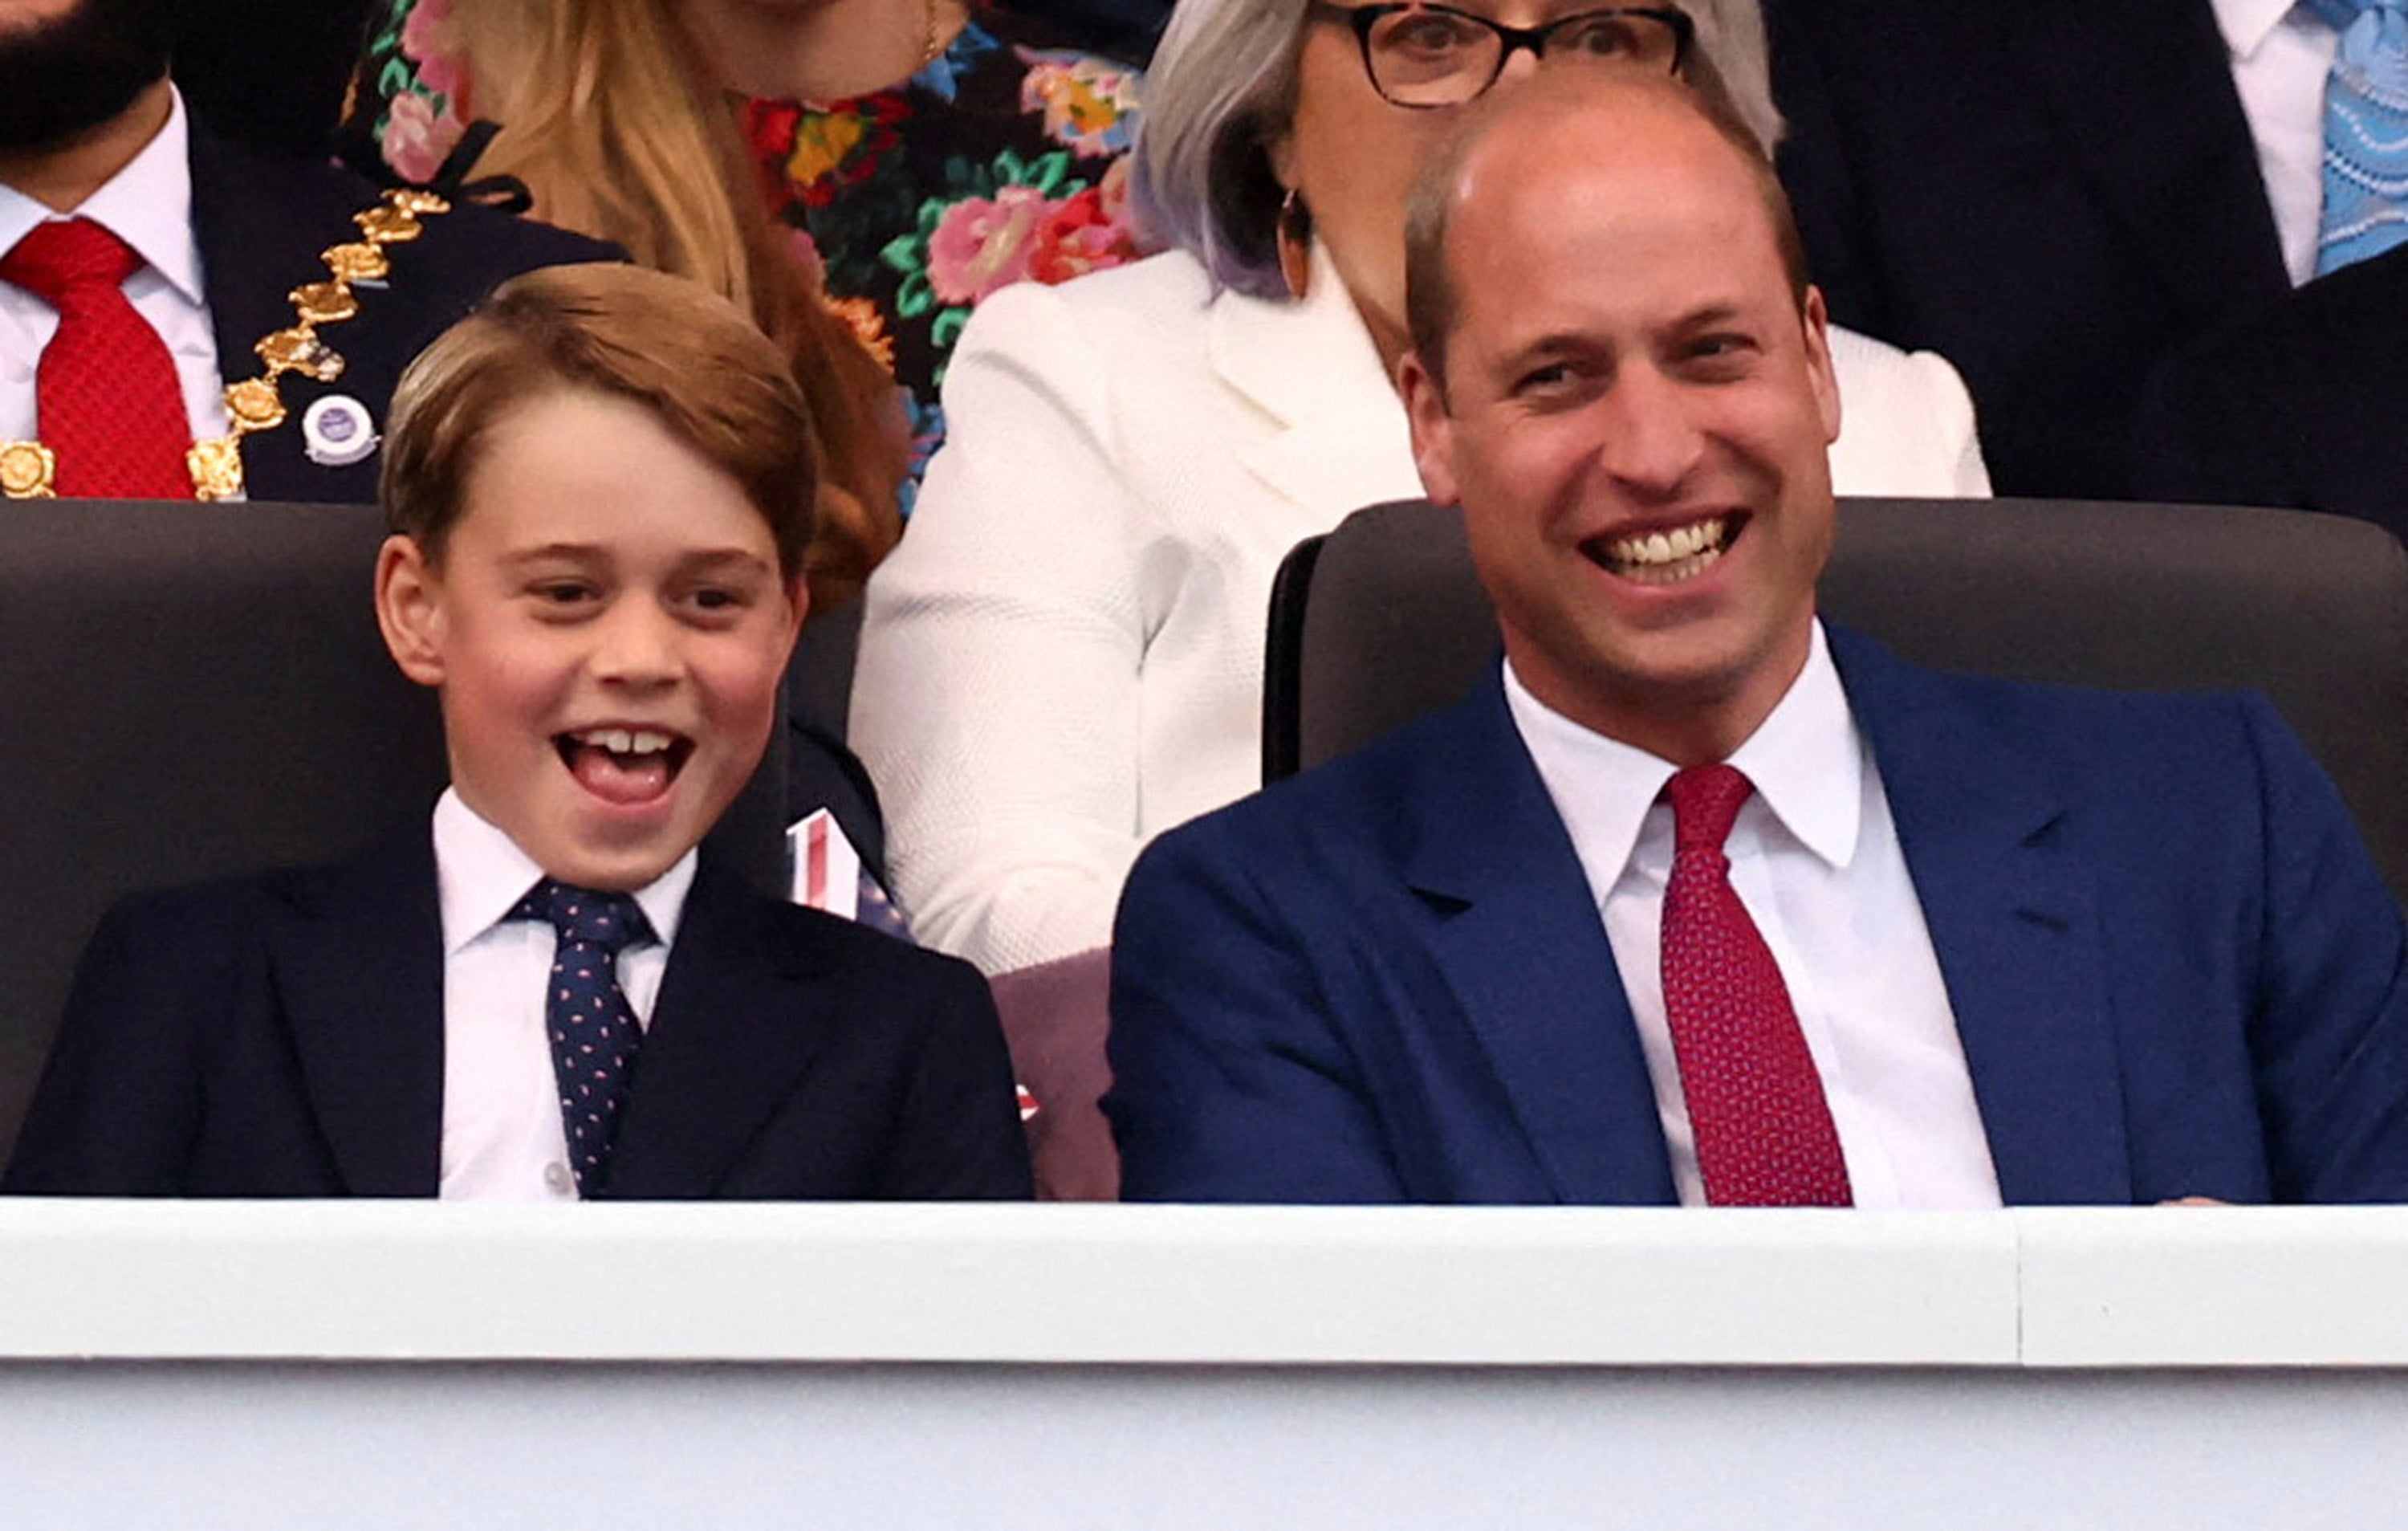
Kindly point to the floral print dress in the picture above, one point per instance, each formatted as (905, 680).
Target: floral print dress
(1003, 160)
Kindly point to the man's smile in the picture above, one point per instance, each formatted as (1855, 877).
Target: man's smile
(1667, 555)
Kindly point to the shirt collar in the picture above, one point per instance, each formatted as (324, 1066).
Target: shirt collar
(1806, 762)
(480, 874)
(2248, 23)
(1804, 759)
(148, 204)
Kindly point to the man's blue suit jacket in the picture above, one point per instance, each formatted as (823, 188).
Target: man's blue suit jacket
(2173, 967)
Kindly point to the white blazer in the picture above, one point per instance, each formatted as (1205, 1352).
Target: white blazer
(1064, 657)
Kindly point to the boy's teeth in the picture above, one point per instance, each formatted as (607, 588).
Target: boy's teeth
(626, 741)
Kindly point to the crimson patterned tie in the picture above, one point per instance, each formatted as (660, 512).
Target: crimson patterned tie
(108, 401)
(1763, 1129)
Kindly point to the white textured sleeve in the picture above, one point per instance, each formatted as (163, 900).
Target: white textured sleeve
(997, 698)
(1906, 424)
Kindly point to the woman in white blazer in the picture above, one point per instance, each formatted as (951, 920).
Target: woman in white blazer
(1064, 656)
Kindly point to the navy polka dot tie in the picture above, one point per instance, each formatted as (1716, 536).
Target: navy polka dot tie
(593, 1030)
(1764, 1130)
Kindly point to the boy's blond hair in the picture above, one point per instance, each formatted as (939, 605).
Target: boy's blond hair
(679, 349)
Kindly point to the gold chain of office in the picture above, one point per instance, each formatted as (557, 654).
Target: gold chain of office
(29, 470)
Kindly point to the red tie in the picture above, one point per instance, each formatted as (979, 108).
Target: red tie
(110, 404)
(1763, 1129)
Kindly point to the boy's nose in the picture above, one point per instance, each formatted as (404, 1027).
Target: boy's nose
(637, 645)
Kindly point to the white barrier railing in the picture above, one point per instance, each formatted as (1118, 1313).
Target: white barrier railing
(1103, 1365)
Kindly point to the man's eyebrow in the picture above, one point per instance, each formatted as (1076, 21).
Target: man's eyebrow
(1709, 316)
(1550, 345)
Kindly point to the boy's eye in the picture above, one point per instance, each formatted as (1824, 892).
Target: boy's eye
(717, 602)
(563, 592)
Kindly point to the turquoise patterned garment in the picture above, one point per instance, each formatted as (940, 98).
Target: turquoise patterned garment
(2366, 132)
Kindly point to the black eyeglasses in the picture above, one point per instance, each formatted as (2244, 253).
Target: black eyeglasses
(1425, 56)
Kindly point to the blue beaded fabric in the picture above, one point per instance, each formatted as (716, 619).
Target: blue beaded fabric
(2366, 132)
(594, 1032)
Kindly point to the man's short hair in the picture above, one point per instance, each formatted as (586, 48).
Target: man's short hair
(669, 344)
(1431, 302)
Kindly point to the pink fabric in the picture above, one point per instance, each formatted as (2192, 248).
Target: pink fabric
(1054, 1018)
(1763, 1129)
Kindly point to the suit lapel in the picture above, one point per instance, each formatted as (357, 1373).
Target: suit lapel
(359, 967)
(239, 222)
(2014, 921)
(261, 225)
(1523, 949)
(734, 1027)
(2143, 94)
(1338, 439)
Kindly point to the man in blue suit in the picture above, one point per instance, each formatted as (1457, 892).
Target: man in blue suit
(1700, 900)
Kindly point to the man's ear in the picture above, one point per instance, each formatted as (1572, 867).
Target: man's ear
(1819, 369)
(1433, 428)
(410, 609)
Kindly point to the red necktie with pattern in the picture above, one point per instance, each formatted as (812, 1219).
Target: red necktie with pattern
(1763, 1129)
(108, 401)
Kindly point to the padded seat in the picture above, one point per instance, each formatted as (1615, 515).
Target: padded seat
(1383, 620)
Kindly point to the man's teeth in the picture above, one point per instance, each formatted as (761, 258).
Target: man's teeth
(625, 740)
(1660, 557)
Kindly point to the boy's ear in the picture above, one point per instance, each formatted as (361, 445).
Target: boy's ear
(410, 609)
(799, 606)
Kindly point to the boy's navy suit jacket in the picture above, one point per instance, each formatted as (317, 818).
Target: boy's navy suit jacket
(283, 1036)
(2173, 967)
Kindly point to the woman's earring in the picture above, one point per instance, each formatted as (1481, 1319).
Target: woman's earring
(1293, 237)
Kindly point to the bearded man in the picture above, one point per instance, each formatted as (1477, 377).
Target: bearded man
(183, 318)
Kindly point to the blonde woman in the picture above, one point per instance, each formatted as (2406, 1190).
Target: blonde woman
(911, 156)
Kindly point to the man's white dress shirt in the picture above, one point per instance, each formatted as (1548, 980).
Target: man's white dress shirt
(2280, 57)
(148, 205)
(502, 1134)
(1815, 859)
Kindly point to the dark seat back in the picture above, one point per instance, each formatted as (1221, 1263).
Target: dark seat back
(1382, 620)
(197, 690)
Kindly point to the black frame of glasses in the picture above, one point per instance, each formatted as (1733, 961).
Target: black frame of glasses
(1362, 19)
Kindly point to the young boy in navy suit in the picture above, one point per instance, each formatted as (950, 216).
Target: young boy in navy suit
(599, 488)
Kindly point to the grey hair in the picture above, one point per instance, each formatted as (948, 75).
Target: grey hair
(1223, 86)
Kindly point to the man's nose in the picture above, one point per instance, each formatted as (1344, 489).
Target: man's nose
(1648, 437)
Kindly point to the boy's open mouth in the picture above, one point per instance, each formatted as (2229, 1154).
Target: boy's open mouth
(625, 766)
(1668, 555)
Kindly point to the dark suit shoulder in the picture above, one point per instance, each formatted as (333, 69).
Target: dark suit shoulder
(799, 939)
(326, 194)
(2053, 732)
(195, 927)
(219, 908)
(1373, 796)
(2288, 404)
